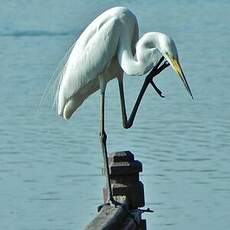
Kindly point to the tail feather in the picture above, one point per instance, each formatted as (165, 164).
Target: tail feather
(53, 86)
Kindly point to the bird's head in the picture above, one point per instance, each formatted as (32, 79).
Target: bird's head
(168, 49)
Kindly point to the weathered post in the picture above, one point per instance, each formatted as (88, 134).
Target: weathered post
(128, 190)
(124, 174)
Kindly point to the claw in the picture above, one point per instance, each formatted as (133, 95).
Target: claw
(112, 201)
(166, 63)
(146, 210)
(101, 206)
(157, 90)
(115, 203)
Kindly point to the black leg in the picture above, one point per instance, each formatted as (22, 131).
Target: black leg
(103, 138)
(127, 123)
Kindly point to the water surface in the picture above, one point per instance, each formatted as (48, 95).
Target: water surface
(50, 170)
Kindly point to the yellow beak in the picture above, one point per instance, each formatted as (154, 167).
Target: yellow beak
(176, 66)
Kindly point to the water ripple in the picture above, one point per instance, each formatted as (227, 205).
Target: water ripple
(183, 145)
(35, 33)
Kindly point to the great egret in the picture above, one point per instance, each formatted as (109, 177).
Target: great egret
(108, 47)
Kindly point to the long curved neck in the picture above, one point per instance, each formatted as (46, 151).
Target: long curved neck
(143, 60)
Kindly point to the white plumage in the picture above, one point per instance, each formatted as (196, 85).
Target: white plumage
(106, 48)
(92, 56)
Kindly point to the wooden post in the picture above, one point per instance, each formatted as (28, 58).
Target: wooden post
(124, 174)
(128, 190)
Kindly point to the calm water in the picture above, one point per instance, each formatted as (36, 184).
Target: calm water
(50, 170)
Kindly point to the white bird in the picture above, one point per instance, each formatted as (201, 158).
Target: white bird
(108, 47)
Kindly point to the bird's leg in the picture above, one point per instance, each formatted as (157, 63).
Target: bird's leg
(127, 123)
(103, 138)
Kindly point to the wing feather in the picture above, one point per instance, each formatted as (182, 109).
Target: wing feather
(90, 56)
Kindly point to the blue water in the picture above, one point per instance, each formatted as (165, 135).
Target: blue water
(50, 170)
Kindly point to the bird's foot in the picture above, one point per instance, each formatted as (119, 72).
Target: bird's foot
(111, 202)
(157, 89)
(155, 71)
(149, 80)
(114, 202)
(101, 206)
(146, 210)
